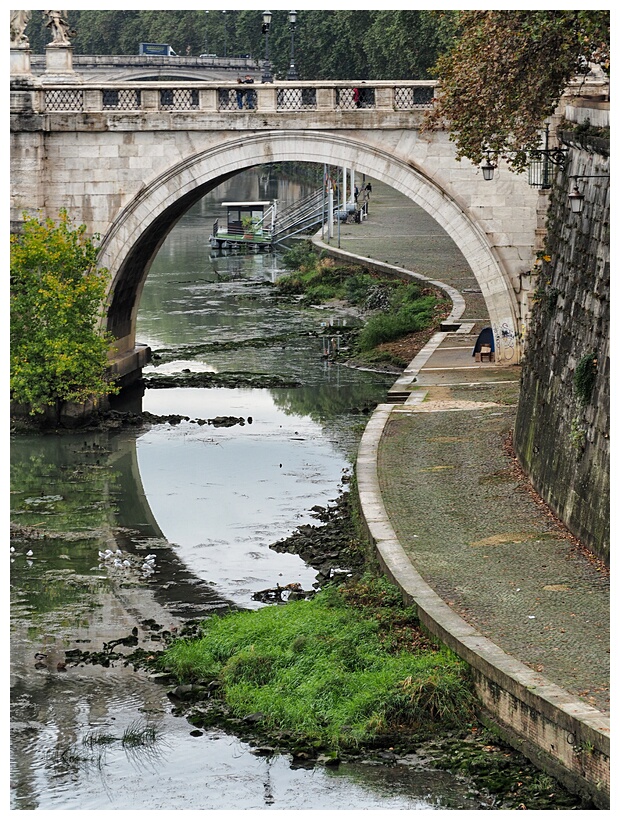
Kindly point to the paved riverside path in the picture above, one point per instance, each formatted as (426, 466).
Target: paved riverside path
(466, 518)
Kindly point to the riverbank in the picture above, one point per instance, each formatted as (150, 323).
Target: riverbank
(466, 538)
(232, 690)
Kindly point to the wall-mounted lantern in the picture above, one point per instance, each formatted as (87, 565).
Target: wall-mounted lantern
(488, 169)
(576, 198)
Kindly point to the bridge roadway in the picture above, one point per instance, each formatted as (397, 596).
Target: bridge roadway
(459, 529)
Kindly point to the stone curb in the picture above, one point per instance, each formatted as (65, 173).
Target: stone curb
(546, 722)
(564, 722)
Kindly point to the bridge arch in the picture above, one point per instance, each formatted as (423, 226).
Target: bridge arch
(131, 243)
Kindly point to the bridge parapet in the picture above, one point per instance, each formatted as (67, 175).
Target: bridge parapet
(233, 97)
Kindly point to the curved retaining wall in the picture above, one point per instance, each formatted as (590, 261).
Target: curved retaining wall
(458, 302)
(559, 733)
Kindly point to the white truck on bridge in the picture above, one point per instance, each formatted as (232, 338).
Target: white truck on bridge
(157, 49)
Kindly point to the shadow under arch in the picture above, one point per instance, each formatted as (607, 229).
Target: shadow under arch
(130, 246)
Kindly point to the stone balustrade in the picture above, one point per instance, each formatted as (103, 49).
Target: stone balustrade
(232, 97)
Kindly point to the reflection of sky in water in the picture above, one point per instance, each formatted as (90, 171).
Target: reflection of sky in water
(222, 495)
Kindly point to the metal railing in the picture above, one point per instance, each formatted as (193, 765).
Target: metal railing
(300, 217)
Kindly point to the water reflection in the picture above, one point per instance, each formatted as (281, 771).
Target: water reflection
(206, 502)
(238, 488)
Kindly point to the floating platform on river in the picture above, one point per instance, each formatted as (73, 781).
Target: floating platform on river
(249, 227)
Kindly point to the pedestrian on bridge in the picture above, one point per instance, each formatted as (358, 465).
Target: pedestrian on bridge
(240, 94)
(250, 95)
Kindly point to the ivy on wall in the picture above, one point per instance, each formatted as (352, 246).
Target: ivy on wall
(585, 377)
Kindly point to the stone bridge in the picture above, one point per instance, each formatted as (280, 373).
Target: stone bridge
(127, 159)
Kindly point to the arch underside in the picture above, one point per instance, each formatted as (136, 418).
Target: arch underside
(133, 240)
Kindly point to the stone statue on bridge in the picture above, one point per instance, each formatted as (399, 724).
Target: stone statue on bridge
(57, 22)
(19, 21)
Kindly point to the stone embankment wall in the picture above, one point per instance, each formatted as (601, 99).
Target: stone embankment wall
(562, 427)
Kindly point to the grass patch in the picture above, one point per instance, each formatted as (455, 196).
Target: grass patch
(346, 668)
(139, 734)
(409, 317)
(395, 307)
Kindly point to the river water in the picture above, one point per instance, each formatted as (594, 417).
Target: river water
(205, 502)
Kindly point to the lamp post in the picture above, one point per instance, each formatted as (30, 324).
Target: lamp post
(225, 36)
(267, 77)
(292, 71)
(206, 35)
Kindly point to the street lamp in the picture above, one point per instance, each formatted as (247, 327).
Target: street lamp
(225, 36)
(576, 198)
(488, 169)
(267, 77)
(292, 71)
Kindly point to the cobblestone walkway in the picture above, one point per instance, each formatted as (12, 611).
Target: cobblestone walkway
(464, 515)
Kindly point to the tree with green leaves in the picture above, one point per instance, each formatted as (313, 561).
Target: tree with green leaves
(505, 74)
(329, 44)
(58, 353)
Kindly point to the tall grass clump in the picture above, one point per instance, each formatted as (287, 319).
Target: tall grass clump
(327, 671)
(405, 317)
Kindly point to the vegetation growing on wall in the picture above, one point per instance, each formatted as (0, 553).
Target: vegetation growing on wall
(585, 377)
(57, 292)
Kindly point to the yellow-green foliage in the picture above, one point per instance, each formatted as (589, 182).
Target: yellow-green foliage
(57, 293)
